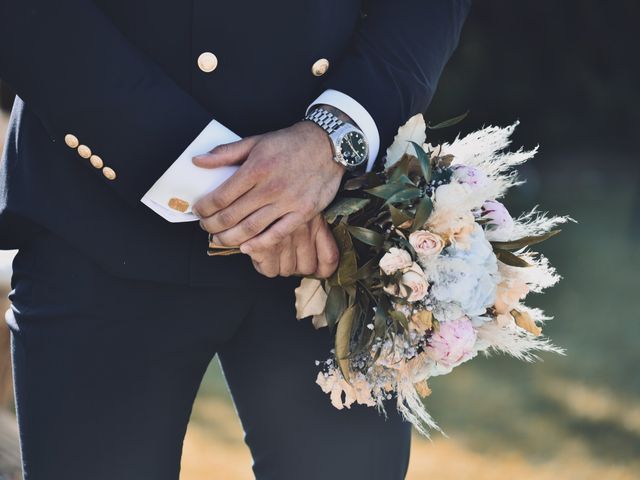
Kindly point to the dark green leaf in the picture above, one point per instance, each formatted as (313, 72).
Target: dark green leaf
(386, 190)
(368, 271)
(400, 318)
(398, 217)
(525, 241)
(346, 273)
(405, 195)
(425, 161)
(344, 207)
(367, 236)
(449, 123)
(509, 258)
(423, 211)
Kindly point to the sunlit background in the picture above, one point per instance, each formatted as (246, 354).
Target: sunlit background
(567, 71)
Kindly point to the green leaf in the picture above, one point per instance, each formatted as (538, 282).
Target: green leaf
(398, 217)
(424, 209)
(367, 236)
(386, 190)
(336, 305)
(369, 271)
(525, 241)
(448, 123)
(346, 273)
(344, 207)
(400, 169)
(401, 318)
(509, 258)
(343, 341)
(405, 195)
(425, 161)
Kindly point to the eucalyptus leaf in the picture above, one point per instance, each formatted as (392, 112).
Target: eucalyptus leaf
(425, 161)
(449, 123)
(367, 236)
(345, 207)
(525, 241)
(510, 259)
(424, 209)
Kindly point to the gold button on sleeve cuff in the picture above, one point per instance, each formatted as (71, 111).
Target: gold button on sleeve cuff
(320, 67)
(178, 204)
(109, 173)
(84, 151)
(71, 141)
(96, 161)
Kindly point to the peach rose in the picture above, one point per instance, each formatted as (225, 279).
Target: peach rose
(395, 259)
(413, 279)
(426, 244)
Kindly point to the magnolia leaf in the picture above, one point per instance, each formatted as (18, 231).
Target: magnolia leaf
(405, 195)
(368, 271)
(510, 259)
(345, 275)
(336, 305)
(310, 298)
(344, 207)
(524, 320)
(449, 123)
(424, 209)
(412, 131)
(319, 321)
(425, 161)
(343, 341)
(367, 236)
(525, 241)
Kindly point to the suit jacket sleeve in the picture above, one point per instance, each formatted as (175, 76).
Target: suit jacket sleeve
(396, 57)
(81, 76)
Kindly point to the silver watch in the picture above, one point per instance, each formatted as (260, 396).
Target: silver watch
(350, 147)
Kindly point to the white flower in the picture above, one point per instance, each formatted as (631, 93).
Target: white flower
(395, 259)
(412, 131)
(413, 285)
(464, 280)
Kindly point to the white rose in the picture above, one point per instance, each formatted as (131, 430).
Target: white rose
(395, 259)
(413, 285)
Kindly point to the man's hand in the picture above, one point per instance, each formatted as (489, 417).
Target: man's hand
(310, 250)
(285, 179)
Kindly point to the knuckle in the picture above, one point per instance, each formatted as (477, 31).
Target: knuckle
(251, 227)
(226, 218)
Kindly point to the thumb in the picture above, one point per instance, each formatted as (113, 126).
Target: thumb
(233, 153)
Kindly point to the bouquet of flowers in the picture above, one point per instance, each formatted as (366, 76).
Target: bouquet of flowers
(433, 270)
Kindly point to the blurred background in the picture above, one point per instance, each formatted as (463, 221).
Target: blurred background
(568, 71)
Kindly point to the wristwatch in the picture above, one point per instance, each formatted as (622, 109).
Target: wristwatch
(350, 147)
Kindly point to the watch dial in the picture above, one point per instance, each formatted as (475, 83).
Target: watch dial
(354, 148)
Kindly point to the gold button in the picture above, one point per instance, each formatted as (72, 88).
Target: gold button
(207, 62)
(178, 204)
(96, 161)
(109, 173)
(320, 67)
(71, 141)
(84, 151)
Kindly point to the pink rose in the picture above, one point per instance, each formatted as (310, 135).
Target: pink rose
(469, 175)
(395, 259)
(452, 344)
(500, 223)
(426, 244)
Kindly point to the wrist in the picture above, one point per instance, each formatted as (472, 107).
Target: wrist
(323, 144)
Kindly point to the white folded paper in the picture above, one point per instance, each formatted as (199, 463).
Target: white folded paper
(186, 182)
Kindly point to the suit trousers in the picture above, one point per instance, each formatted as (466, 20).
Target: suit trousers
(107, 369)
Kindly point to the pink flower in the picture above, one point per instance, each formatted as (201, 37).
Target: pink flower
(500, 224)
(395, 259)
(452, 344)
(426, 244)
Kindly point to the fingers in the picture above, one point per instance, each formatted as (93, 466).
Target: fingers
(226, 194)
(327, 251)
(288, 261)
(227, 154)
(268, 263)
(274, 235)
(305, 251)
(245, 230)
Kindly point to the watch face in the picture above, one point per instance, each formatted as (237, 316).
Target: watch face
(354, 148)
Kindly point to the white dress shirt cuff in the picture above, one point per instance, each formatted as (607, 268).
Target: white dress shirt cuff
(358, 114)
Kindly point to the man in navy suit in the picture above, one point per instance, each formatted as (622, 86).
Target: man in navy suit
(117, 309)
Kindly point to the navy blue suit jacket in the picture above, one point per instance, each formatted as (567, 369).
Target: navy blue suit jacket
(122, 76)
